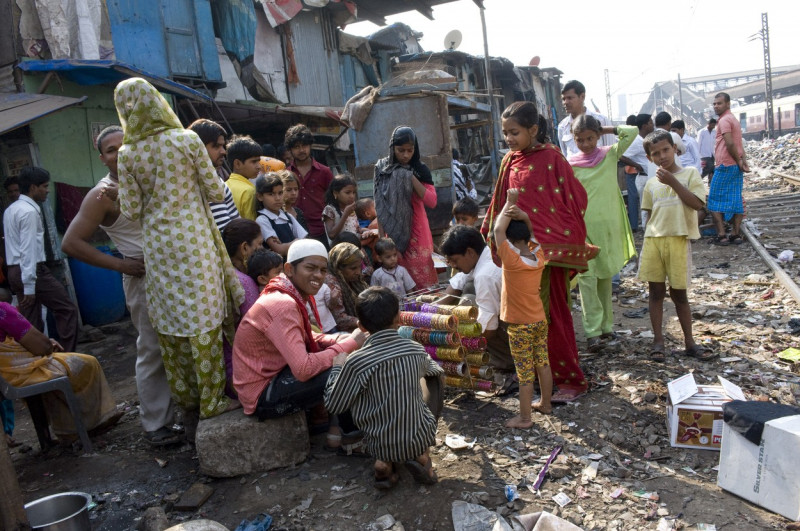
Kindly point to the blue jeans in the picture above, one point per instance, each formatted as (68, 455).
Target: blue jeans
(633, 201)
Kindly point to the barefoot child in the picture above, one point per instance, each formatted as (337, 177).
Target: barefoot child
(339, 213)
(670, 200)
(380, 385)
(607, 224)
(521, 307)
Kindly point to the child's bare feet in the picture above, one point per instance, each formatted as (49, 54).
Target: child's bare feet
(519, 422)
(233, 404)
(386, 476)
(545, 409)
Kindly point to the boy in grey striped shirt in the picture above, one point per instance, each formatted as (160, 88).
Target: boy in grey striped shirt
(380, 385)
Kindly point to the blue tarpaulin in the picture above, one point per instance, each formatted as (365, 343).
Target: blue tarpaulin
(235, 23)
(97, 72)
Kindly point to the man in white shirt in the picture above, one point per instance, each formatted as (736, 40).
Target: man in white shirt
(636, 157)
(691, 158)
(573, 97)
(706, 139)
(28, 275)
(466, 251)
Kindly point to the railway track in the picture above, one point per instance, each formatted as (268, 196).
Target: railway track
(772, 226)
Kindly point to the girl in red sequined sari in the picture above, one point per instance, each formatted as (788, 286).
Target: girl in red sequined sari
(555, 201)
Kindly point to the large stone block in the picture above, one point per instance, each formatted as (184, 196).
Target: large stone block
(233, 443)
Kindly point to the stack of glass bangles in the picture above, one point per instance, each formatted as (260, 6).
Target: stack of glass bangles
(445, 353)
(430, 337)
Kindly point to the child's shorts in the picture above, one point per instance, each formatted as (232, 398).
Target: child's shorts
(528, 344)
(667, 257)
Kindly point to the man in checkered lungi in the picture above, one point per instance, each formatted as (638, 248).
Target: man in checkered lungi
(725, 194)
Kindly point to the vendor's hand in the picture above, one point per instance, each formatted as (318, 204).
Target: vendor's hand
(132, 266)
(56, 346)
(339, 359)
(27, 301)
(359, 336)
(512, 195)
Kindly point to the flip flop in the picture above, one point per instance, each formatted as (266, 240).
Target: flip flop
(719, 240)
(422, 474)
(638, 313)
(162, 437)
(698, 352)
(387, 482)
(562, 397)
(658, 354)
(735, 239)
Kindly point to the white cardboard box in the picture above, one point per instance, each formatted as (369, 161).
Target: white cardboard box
(765, 474)
(694, 413)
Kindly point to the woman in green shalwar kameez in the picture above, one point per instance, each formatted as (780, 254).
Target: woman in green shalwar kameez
(167, 180)
(607, 224)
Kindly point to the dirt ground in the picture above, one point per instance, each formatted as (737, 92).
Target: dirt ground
(622, 419)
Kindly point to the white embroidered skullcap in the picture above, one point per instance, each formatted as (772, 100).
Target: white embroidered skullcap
(304, 248)
(678, 141)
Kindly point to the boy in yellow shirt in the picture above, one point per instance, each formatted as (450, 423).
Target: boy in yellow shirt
(670, 200)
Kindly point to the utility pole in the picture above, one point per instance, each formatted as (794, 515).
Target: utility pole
(490, 90)
(764, 36)
(767, 74)
(680, 96)
(608, 96)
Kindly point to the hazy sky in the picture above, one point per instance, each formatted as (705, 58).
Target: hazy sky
(639, 42)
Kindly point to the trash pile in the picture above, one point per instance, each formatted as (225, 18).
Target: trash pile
(781, 154)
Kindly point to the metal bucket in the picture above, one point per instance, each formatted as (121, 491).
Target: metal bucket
(67, 511)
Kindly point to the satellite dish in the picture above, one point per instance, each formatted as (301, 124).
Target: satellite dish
(452, 40)
(534, 61)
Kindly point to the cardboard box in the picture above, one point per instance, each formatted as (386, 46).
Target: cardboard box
(694, 412)
(764, 474)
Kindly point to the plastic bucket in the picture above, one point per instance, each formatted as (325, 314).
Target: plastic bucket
(68, 511)
(101, 299)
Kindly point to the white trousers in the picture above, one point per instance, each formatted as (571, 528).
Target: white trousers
(155, 400)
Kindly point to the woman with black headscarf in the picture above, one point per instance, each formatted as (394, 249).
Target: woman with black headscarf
(403, 189)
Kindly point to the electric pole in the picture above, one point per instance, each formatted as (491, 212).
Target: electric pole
(764, 36)
(608, 96)
(767, 74)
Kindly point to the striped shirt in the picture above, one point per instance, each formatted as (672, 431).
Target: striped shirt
(224, 212)
(380, 385)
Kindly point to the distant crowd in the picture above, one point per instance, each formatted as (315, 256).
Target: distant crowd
(276, 289)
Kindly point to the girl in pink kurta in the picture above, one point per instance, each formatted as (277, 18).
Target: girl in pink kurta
(403, 189)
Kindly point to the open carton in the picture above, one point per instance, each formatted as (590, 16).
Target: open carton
(694, 412)
(766, 473)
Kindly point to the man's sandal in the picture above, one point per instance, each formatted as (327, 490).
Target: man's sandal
(423, 474)
(658, 354)
(697, 352)
(719, 240)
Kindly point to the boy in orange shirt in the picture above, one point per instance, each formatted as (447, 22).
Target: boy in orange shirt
(521, 307)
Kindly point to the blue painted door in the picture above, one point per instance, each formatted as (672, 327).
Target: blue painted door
(180, 32)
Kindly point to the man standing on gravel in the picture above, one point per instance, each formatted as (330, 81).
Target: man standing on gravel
(100, 210)
(725, 193)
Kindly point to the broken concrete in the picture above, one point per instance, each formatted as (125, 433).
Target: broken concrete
(233, 444)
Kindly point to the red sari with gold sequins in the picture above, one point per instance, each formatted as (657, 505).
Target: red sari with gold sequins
(556, 202)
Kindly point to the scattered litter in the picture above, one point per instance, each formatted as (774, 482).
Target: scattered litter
(561, 499)
(706, 527)
(646, 495)
(638, 313)
(590, 472)
(718, 276)
(790, 354)
(458, 442)
(617, 492)
(511, 492)
(540, 478)
(161, 462)
(730, 359)
(262, 522)
(786, 256)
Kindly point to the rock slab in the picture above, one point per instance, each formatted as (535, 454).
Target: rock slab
(234, 444)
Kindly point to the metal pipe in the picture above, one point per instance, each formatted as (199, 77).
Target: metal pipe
(785, 280)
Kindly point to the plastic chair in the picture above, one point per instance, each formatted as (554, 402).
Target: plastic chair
(33, 397)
